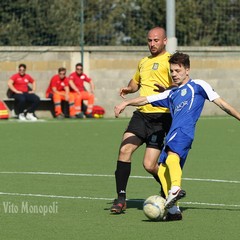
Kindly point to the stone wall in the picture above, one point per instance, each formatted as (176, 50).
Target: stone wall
(112, 68)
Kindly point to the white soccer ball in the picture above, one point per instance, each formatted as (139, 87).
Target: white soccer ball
(154, 208)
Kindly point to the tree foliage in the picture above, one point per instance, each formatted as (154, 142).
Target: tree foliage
(116, 22)
(208, 22)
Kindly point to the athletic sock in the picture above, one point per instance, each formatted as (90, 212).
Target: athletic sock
(162, 194)
(157, 178)
(175, 171)
(164, 177)
(122, 174)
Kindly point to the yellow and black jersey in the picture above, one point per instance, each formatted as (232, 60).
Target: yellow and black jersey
(152, 70)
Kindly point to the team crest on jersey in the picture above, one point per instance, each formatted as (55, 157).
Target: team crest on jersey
(155, 66)
(184, 92)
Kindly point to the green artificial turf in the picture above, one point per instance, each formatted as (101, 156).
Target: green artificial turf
(70, 165)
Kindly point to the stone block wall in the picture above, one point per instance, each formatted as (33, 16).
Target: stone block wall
(112, 67)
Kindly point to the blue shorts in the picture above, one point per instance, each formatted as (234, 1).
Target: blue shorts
(178, 142)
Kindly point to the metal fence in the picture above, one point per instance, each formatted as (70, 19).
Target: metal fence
(116, 22)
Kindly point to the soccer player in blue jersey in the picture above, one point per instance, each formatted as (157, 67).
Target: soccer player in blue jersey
(185, 102)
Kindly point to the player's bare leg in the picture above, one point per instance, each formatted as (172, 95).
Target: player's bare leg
(129, 144)
(150, 163)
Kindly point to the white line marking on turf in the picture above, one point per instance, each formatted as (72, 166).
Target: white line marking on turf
(211, 180)
(211, 204)
(110, 199)
(53, 196)
(105, 175)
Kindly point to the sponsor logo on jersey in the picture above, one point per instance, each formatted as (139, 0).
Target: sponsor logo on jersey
(180, 106)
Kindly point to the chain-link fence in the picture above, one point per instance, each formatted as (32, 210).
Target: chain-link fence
(116, 22)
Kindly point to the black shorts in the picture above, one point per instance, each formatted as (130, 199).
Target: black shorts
(151, 128)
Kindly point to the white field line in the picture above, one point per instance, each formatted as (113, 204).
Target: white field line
(106, 175)
(110, 199)
(53, 196)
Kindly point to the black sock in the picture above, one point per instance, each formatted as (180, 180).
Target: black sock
(156, 178)
(122, 174)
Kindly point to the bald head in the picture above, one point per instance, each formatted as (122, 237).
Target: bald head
(157, 41)
(159, 31)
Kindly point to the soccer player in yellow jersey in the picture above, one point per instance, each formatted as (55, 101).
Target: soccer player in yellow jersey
(148, 124)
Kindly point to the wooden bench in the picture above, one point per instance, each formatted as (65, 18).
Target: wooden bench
(45, 108)
(46, 104)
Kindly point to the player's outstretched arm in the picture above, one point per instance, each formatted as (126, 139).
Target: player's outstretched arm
(160, 88)
(131, 88)
(139, 101)
(227, 108)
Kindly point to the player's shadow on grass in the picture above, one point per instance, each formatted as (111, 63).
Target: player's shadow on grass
(131, 203)
(136, 204)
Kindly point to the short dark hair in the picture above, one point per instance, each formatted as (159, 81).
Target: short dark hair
(22, 65)
(61, 69)
(79, 65)
(180, 59)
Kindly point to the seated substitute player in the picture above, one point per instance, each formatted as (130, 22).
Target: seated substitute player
(22, 88)
(76, 84)
(58, 90)
(185, 102)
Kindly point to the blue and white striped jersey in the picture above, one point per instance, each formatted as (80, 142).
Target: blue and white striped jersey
(185, 103)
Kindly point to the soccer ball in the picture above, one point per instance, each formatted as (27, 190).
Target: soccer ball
(153, 208)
